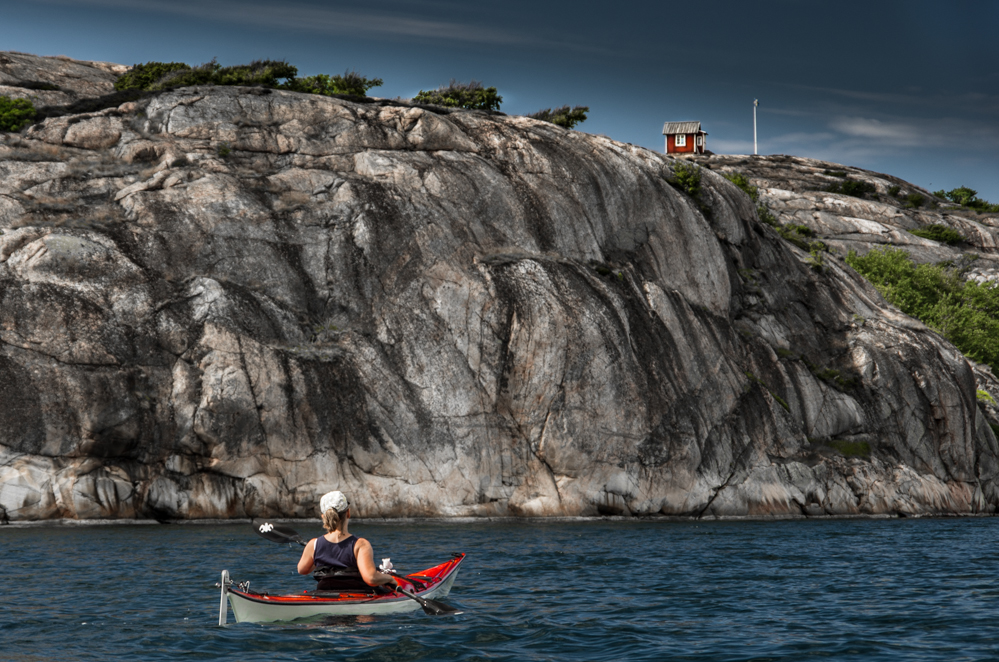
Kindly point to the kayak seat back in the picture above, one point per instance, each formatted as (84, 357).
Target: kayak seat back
(340, 579)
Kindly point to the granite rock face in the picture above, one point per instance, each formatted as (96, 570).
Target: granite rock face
(55, 81)
(223, 302)
(795, 189)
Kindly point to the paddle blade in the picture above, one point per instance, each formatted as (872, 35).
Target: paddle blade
(277, 532)
(434, 608)
(431, 607)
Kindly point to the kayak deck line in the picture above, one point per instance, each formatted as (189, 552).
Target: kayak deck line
(260, 607)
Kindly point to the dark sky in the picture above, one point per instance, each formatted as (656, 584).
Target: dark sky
(906, 87)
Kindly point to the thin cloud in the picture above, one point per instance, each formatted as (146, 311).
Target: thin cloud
(789, 143)
(806, 138)
(867, 141)
(909, 132)
(969, 101)
(897, 134)
(316, 19)
(879, 97)
(790, 112)
(388, 23)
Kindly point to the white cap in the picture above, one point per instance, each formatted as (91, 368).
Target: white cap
(335, 500)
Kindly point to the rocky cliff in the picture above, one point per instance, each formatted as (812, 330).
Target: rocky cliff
(223, 302)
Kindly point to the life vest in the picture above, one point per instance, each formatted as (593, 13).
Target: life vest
(336, 566)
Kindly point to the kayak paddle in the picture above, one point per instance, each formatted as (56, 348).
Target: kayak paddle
(282, 533)
(278, 532)
(431, 607)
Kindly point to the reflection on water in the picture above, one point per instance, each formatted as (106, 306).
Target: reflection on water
(334, 622)
(915, 589)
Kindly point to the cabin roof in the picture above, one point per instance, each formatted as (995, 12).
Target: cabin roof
(673, 128)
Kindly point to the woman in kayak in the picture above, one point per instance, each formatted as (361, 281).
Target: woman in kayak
(338, 549)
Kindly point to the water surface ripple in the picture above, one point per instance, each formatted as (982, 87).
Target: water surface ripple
(913, 589)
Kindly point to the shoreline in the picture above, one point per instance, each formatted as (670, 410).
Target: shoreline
(71, 523)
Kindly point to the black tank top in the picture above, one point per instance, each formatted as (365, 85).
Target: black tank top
(336, 554)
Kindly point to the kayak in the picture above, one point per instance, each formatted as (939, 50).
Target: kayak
(253, 607)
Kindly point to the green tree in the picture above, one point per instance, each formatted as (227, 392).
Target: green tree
(15, 114)
(266, 73)
(462, 95)
(143, 76)
(563, 116)
(967, 197)
(962, 195)
(350, 82)
(154, 76)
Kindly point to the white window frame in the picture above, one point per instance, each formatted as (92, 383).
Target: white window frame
(700, 140)
(680, 140)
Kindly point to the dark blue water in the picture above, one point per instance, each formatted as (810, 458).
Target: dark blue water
(603, 590)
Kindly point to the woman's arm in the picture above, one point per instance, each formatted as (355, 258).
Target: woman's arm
(307, 561)
(365, 556)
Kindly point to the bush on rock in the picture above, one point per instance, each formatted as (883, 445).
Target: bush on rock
(277, 74)
(743, 183)
(852, 188)
(964, 312)
(144, 76)
(687, 178)
(967, 197)
(350, 82)
(462, 95)
(940, 233)
(15, 114)
(564, 116)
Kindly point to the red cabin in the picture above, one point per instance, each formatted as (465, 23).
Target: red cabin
(684, 138)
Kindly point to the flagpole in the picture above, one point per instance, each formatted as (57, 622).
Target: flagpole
(756, 102)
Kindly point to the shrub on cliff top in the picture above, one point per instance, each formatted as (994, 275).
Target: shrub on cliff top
(277, 74)
(687, 178)
(462, 95)
(742, 182)
(143, 76)
(564, 116)
(967, 197)
(350, 82)
(15, 114)
(962, 195)
(165, 75)
(964, 312)
(266, 73)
